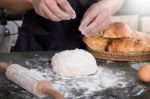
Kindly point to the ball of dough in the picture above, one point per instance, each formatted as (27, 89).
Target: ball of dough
(74, 63)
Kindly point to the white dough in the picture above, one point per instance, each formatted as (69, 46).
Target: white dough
(73, 63)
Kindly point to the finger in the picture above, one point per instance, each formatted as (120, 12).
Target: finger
(93, 25)
(40, 12)
(65, 6)
(47, 13)
(56, 10)
(87, 19)
(105, 25)
(100, 28)
(87, 12)
(99, 20)
(106, 21)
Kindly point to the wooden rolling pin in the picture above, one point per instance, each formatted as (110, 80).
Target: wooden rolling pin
(34, 83)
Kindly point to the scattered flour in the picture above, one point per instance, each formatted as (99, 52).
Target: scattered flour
(107, 83)
(88, 85)
(136, 66)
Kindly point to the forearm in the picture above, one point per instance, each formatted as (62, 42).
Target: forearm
(18, 6)
(113, 5)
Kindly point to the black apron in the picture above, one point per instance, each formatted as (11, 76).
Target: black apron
(39, 34)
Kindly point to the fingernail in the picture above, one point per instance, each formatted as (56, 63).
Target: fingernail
(80, 28)
(67, 17)
(83, 32)
(73, 15)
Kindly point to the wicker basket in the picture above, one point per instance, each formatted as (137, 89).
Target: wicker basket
(121, 57)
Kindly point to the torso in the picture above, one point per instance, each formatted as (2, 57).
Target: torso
(60, 35)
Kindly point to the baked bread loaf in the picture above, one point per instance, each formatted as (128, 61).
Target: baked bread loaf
(96, 42)
(119, 38)
(117, 30)
(128, 46)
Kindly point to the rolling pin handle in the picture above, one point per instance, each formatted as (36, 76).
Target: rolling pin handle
(44, 87)
(3, 66)
(54, 93)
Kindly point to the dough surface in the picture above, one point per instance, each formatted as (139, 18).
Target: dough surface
(74, 63)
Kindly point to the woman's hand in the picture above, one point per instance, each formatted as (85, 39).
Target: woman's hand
(95, 20)
(55, 10)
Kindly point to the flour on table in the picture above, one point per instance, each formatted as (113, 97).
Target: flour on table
(136, 66)
(104, 78)
(107, 83)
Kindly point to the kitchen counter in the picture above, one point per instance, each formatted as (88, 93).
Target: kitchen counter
(134, 89)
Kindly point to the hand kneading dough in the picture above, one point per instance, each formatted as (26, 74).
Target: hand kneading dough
(72, 63)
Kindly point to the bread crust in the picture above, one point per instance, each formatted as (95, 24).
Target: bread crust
(96, 42)
(117, 30)
(119, 38)
(128, 45)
